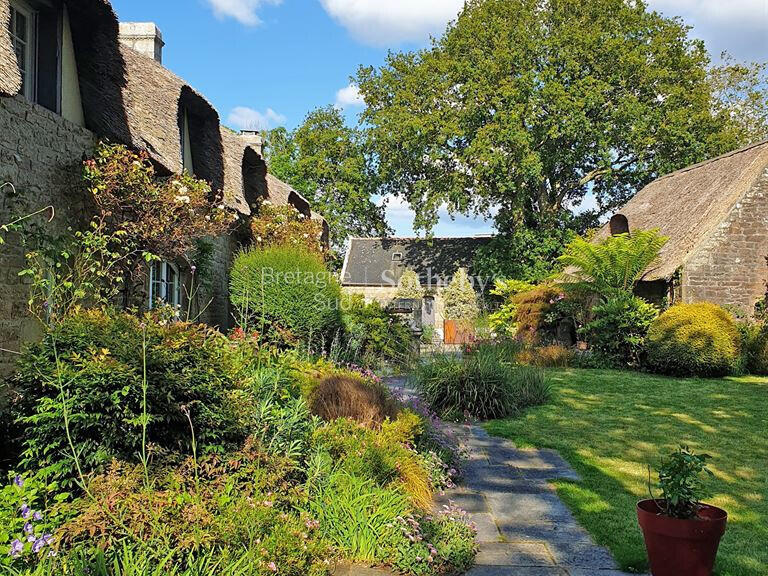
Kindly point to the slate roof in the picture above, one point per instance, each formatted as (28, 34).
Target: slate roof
(375, 261)
(689, 205)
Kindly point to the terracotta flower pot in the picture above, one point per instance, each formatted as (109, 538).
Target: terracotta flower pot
(681, 547)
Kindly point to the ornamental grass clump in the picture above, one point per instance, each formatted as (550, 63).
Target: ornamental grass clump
(348, 397)
(482, 384)
(699, 339)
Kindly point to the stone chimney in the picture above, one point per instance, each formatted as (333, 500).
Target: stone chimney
(144, 37)
(254, 139)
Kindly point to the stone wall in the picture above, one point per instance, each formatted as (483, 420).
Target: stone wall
(41, 155)
(730, 267)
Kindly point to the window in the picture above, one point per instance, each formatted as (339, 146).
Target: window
(22, 28)
(397, 257)
(164, 284)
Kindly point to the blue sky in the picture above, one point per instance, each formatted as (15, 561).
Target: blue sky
(264, 63)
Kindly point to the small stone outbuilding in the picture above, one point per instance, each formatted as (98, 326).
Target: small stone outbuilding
(373, 267)
(716, 217)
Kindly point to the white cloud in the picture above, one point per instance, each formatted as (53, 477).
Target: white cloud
(244, 11)
(349, 96)
(395, 21)
(738, 26)
(249, 119)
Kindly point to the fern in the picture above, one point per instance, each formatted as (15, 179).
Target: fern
(614, 265)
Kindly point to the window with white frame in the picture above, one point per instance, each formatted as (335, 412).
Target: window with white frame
(23, 31)
(164, 284)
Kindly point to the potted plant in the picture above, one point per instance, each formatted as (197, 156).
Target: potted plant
(681, 534)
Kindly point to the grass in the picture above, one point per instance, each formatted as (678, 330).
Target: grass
(610, 425)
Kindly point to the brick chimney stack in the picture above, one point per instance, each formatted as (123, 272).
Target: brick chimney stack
(144, 37)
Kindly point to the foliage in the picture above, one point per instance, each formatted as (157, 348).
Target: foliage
(612, 266)
(609, 424)
(529, 107)
(533, 309)
(551, 356)
(741, 93)
(349, 397)
(460, 299)
(90, 366)
(619, 327)
(503, 320)
(373, 334)
(528, 254)
(287, 294)
(329, 164)
(681, 484)
(409, 286)
(286, 226)
(25, 531)
(153, 216)
(480, 385)
(698, 339)
(755, 345)
(283, 426)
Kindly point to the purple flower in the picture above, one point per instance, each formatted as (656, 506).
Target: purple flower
(16, 548)
(38, 545)
(37, 516)
(25, 511)
(19, 481)
(28, 528)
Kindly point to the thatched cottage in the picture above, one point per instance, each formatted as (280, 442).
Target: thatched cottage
(373, 267)
(716, 217)
(70, 74)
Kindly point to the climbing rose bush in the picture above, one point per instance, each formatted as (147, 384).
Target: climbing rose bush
(286, 226)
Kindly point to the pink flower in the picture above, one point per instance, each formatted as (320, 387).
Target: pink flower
(272, 566)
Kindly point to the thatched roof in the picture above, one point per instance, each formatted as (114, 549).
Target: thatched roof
(130, 98)
(10, 80)
(689, 205)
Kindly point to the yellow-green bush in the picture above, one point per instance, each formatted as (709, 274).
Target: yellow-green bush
(699, 339)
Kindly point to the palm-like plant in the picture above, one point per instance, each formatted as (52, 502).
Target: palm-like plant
(612, 266)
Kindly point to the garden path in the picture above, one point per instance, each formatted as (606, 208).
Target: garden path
(523, 528)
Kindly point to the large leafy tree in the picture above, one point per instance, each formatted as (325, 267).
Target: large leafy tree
(327, 162)
(527, 106)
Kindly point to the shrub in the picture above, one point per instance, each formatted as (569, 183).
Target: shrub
(409, 286)
(698, 339)
(91, 364)
(460, 299)
(552, 356)
(619, 328)
(754, 338)
(532, 312)
(349, 397)
(373, 334)
(483, 384)
(288, 292)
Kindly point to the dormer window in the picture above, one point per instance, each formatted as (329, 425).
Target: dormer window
(397, 257)
(186, 146)
(23, 32)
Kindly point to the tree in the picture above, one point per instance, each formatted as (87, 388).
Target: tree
(409, 286)
(459, 298)
(741, 92)
(526, 106)
(612, 267)
(327, 162)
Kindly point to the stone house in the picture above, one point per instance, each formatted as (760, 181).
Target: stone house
(70, 75)
(373, 267)
(716, 217)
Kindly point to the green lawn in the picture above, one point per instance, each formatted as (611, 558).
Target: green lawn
(609, 425)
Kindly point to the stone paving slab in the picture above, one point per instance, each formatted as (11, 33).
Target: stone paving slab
(524, 529)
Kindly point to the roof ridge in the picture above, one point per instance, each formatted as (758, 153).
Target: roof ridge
(711, 160)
